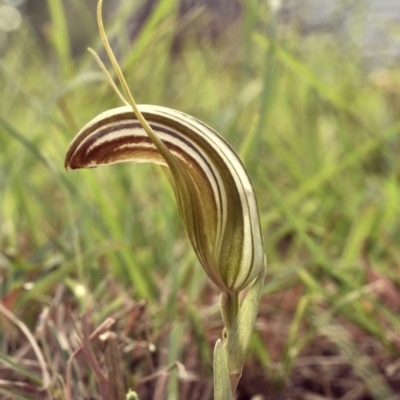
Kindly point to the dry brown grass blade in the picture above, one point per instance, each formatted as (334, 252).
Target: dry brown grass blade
(23, 389)
(32, 341)
(114, 365)
(89, 356)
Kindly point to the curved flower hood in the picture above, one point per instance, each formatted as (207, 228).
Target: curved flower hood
(213, 191)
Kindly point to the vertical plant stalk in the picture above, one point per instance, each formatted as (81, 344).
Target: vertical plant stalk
(229, 308)
(214, 195)
(230, 355)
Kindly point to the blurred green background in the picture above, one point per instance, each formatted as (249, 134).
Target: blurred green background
(309, 99)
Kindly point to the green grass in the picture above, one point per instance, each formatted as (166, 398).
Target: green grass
(320, 137)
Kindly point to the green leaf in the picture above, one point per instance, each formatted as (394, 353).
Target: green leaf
(222, 386)
(16, 367)
(59, 35)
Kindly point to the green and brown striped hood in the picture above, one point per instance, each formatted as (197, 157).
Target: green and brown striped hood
(214, 194)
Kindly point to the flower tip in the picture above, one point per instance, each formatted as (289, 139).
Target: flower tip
(71, 161)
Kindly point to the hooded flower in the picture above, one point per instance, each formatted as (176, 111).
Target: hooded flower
(213, 191)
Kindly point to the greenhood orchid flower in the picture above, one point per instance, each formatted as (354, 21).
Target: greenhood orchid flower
(213, 191)
(215, 198)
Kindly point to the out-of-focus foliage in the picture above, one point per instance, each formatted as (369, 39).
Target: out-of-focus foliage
(317, 130)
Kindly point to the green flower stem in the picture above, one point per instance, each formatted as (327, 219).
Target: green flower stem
(229, 356)
(229, 309)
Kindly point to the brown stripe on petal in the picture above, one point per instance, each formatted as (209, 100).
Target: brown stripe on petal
(107, 118)
(98, 149)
